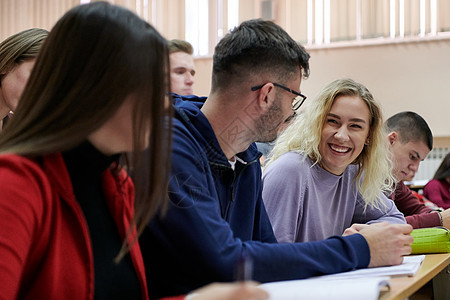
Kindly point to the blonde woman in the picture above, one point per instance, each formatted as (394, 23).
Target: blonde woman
(329, 168)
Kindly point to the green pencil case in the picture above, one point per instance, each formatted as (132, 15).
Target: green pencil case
(430, 240)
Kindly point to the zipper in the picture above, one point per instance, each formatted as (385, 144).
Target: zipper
(227, 210)
(232, 198)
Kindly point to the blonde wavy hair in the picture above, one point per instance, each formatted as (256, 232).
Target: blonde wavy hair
(303, 135)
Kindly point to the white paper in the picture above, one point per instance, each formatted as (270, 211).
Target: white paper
(318, 288)
(409, 267)
(354, 285)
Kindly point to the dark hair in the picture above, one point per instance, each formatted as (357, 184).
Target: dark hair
(96, 56)
(444, 169)
(257, 47)
(177, 45)
(410, 127)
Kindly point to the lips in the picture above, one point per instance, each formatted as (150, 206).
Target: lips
(339, 149)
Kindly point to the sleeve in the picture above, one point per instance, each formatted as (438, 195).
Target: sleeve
(21, 208)
(424, 220)
(194, 239)
(432, 191)
(283, 196)
(417, 214)
(385, 212)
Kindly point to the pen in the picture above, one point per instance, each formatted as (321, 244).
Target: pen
(244, 267)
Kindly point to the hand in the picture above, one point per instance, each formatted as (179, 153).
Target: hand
(446, 218)
(229, 291)
(355, 228)
(388, 243)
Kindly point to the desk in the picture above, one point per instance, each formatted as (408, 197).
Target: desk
(416, 185)
(434, 267)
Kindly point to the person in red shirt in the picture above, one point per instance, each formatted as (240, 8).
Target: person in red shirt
(69, 218)
(410, 141)
(438, 189)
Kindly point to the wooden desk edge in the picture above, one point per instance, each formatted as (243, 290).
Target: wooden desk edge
(403, 287)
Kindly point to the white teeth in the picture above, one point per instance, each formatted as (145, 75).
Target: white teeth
(339, 149)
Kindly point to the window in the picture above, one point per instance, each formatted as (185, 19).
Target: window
(333, 21)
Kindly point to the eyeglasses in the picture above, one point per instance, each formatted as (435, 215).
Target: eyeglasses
(298, 100)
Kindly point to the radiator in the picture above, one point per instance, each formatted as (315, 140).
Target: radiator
(428, 167)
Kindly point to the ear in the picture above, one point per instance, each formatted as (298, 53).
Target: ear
(265, 97)
(393, 137)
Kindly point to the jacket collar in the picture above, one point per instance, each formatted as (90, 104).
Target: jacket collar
(187, 110)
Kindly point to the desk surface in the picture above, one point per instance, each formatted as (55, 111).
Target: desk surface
(403, 287)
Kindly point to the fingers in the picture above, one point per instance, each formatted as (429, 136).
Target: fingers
(358, 227)
(349, 231)
(247, 291)
(405, 228)
(388, 243)
(355, 228)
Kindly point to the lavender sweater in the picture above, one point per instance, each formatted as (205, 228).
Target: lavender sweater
(307, 203)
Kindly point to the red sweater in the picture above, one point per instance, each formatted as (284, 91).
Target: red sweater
(45, 248)
(416, 213)
(438, 192)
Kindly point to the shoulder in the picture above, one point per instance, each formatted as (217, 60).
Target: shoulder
(19, 166)
(290, 166)
(25, 181)
(401, 191)
(191, 98)
(290, 161)
(433, 183)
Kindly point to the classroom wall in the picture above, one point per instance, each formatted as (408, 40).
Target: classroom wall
(402, 76)
(408, 74)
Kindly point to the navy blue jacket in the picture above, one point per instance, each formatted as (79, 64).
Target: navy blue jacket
(216, 214)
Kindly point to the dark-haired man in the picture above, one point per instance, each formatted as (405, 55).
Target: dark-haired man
(216, 214)
(410, 141)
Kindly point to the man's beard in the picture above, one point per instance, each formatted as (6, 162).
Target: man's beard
(268, 124)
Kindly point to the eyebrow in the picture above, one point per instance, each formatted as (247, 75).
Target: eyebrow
(352, 120)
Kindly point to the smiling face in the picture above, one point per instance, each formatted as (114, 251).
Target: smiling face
(344, 133)
(406, 156)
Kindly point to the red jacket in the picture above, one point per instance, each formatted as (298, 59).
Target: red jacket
(417, 214)
(45, 248)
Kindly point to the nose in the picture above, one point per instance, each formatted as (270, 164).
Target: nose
(189, 79)
(341, 134)
(414, 167)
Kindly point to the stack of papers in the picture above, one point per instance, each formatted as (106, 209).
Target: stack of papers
(354, 285)
(324, 289)
(409, 267)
